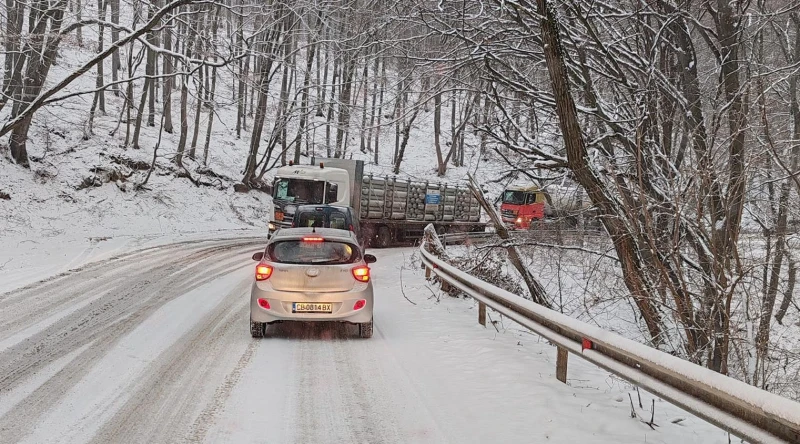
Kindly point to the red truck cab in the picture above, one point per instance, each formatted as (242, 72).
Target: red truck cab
(521, 205)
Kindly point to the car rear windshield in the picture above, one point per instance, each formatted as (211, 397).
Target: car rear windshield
(313, 252)
(335, 219)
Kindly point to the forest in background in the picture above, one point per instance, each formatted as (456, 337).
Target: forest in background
(680, 120)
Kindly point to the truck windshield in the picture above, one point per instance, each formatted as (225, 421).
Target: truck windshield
(513, 197)
(300, 190)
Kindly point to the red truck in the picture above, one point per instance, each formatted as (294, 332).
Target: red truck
(521, 205)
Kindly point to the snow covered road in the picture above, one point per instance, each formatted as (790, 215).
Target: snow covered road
(154, 347)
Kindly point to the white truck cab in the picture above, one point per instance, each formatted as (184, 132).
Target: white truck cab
(312, 184)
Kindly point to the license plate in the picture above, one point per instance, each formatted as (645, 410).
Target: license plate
(312, 307)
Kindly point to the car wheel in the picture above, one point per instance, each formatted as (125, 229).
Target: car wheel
(365, 329)
(257, 329)
(384, 237)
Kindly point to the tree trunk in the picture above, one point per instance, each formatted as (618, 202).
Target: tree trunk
(243, 64)
(398, 117)
(725, 239)
(330, 106)
(116, 64)
(43, 43)
(150, 70)
(140, 113)
(168, 79)
(264, 71)
(184, 135)
(437, 132)
(406, 133)
(12, 75)
(99, 95)
(129, 98)
(78, 17)
(282, 118)
(322, 88)
(210, 114)
(577, 158)
(365, 92)
(375, 83)
(453, 135)
(304, 109)
(200, 47)
(380, 112)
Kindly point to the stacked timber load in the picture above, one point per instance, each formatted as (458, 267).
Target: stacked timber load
(392, 198)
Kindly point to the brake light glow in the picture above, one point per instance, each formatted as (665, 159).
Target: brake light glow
(263, 272)
(263, 303)
(361, 274)
(313, 239)
(279, 215)
(361, 303)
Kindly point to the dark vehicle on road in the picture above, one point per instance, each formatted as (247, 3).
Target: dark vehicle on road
(328, 216)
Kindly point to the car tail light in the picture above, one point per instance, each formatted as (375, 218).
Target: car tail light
(263, 303)
(313, 239)
(361, 274)
(351, 227)
(279, 215)
(263, 272)
(361, 303)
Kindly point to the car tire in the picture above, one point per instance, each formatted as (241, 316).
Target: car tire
(384, 237)
(365, 329)
(257, 329)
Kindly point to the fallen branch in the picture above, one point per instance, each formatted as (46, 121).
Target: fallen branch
(433, 295)
(491, 321)
(633, 410)
(401, 284)
(535, 289)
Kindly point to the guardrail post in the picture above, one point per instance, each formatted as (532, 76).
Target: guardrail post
(427, 273)
(444, 285)
(561, 364)
(482, 313)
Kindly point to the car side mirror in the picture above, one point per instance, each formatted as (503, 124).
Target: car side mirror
(258, 256)
(370, 259)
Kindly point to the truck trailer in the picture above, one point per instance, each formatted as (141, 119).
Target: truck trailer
(391, 210)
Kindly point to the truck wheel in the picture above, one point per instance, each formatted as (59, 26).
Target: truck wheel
(365, 329)
(384, 237)
(257, 329)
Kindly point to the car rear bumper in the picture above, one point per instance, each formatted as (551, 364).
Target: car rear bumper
(281, 306)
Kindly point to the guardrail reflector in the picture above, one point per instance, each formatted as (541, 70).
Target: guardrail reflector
(586, 344)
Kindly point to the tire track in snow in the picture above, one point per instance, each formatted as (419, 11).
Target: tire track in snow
(184, 378)
(126, 305)
(108, 320)
(205, 420)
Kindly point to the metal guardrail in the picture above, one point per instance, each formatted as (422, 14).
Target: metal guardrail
(743, 410)
(457, 238)
(521, 235)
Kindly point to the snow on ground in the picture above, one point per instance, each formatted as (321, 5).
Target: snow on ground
(430, 374)
(163, 354)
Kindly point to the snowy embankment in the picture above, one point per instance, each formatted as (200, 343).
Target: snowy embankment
(83, 189)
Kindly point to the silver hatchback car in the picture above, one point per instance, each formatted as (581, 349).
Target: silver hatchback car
(308, 274)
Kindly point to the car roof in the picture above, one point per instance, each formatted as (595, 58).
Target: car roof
(327, 233)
